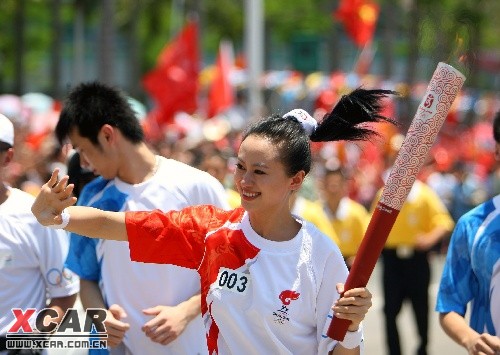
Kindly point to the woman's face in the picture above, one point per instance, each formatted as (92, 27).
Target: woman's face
(261, 178)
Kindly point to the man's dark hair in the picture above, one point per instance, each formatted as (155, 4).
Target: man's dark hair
(496, 127)
(89, 106)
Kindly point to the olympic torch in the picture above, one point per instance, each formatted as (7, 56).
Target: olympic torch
(442, 90)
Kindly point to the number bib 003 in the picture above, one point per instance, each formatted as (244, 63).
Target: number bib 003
(233, 280)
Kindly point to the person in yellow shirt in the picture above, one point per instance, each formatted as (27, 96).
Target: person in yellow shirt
(348, 217)
(422, 222)
(313, 212)
(233, 198)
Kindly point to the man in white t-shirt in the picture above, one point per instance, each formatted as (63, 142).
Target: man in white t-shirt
(153, 309)
(31, 256)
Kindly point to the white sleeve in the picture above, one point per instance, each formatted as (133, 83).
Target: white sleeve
(335, 272)
(53, 249)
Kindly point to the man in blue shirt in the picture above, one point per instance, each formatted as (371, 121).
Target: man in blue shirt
(472, 274)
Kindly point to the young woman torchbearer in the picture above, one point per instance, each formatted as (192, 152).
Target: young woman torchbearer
(270, 281)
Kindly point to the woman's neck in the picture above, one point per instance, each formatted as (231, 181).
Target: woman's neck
(277, 228)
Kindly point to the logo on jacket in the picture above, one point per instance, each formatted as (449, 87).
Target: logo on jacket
(286, 297)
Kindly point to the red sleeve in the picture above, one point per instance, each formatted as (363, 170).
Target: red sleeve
(175, 237)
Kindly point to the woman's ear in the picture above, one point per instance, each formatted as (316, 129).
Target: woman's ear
(297, 180)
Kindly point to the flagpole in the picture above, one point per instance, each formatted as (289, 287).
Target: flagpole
(176, 16)
(254, 48)
(365, 58)
(79, 43)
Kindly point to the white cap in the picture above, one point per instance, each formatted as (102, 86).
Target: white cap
(6, 130)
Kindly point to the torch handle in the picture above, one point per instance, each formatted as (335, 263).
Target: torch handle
(431, 113)
(383, 218)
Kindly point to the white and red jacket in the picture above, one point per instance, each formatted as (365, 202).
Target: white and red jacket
(258, 296)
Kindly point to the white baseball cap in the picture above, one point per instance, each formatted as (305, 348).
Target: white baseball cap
(6, 130)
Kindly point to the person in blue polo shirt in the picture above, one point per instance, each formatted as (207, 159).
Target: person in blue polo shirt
(471, 276)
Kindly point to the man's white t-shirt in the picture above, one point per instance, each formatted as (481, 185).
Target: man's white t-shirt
(138, 286)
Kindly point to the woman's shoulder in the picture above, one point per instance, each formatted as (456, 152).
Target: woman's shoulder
(318, 239)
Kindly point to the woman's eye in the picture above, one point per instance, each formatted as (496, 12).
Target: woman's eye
(239, 166)
(259, 172)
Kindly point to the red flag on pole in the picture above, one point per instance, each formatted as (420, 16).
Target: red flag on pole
(359, 18)
(173, 84)
(221, 93)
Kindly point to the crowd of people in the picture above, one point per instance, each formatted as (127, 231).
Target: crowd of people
(290, 174)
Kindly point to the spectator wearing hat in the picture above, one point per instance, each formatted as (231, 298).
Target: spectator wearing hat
(31, 256)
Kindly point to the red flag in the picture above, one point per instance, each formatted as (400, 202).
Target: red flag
(174, 82)
(221, 93)
(359, 18)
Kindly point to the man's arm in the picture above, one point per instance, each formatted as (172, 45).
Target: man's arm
(426, 241)
(169, 322)
(191, 307)
(61, 305)
(91, 297)
(439, 220)
(457, 328)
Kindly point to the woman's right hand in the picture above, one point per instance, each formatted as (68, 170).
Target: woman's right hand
(53, 198)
